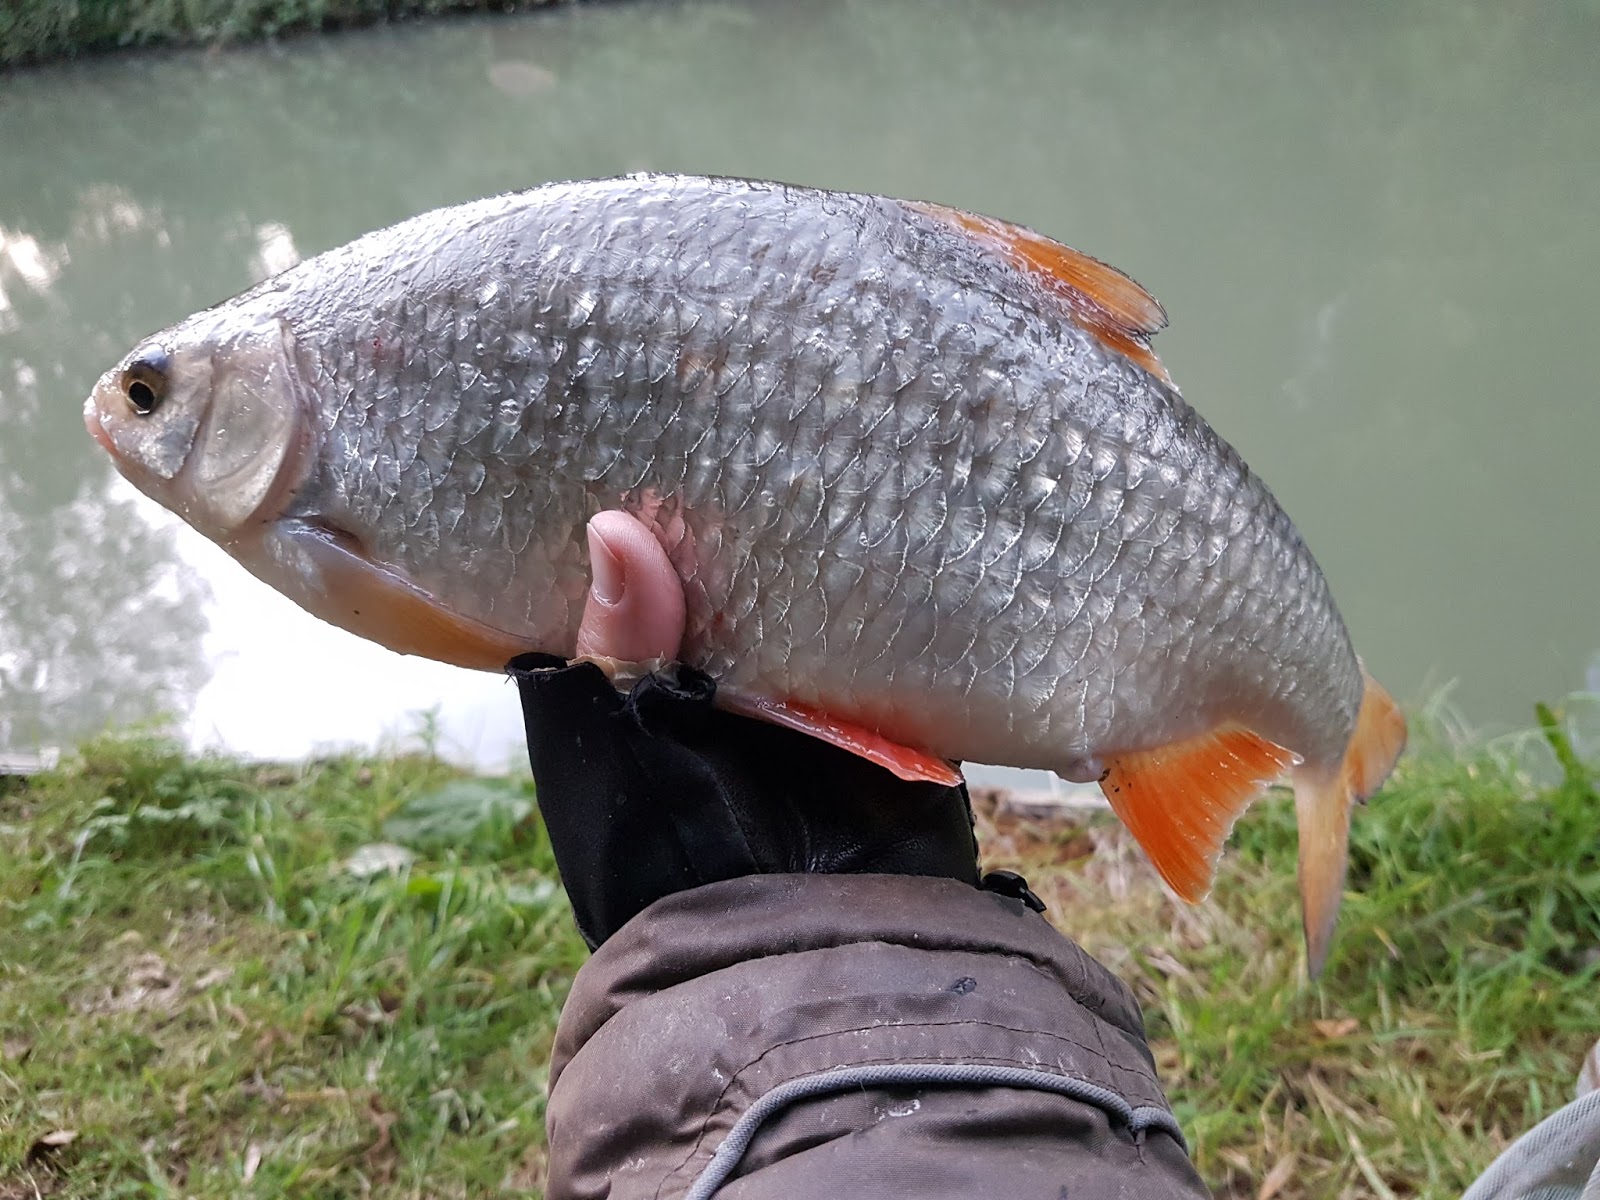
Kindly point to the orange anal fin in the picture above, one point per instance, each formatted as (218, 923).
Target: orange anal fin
(1099, 298)
(1322, 802)
(340, 584)
(903, 761)
(1180, 801)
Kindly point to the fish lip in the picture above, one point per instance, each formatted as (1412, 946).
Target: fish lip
(97, 430)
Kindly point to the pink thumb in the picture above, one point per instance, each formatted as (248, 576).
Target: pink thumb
(635, 610)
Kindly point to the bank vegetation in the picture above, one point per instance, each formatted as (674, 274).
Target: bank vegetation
(38, 30)
(341, 977)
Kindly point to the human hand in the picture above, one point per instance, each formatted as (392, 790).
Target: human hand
(658, 791)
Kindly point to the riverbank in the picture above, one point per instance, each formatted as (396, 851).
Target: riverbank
(342, 977)
(34, 31)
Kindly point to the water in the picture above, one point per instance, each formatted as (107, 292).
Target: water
(1374, 230)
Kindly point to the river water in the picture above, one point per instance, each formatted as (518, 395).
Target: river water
(1375, 230)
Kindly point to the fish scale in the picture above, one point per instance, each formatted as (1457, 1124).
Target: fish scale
(917, 469)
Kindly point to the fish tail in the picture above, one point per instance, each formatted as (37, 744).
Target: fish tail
(1323, 798)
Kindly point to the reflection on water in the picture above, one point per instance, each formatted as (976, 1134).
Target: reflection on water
(80, 646)
(99, 621)
(1373, 230)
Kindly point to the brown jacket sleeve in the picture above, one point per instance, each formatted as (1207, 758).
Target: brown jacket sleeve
(835, 1036)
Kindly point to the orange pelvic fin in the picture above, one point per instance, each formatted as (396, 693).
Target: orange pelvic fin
(1180, 801)
(1099, 298)
(903, 761)
(1322, 801)
(365, 598)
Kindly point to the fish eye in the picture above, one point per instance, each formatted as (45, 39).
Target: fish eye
(144, 380)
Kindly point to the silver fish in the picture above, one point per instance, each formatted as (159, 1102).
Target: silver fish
(921, 474)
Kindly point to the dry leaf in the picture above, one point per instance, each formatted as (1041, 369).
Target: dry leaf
(378, 858)
(15, 1049)
(252, 1161)
(380, 1157)
(47, 1144)
(368, 1014)
(211, 978)
(1370, 1172)
(1282, 1171)
(1336, 1029)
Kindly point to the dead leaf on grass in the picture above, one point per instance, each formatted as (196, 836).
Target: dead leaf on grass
(1336, 1029)
(1277, 1178)
(252, 1161)
(45, 1145)
(211, 978)
(380, 1157)
(15, 1049)
(1168, 966)
(369, 1014)
(147, 983)
(379, 858)
(150, 971)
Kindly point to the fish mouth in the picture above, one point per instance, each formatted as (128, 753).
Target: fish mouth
(91, 422)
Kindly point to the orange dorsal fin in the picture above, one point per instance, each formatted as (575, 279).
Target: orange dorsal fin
(903, 761)
(1322, 802)
(1180, 801)
(1099, 298)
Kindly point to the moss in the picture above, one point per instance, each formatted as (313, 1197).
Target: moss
(36, 30)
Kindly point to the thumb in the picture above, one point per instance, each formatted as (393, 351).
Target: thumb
(635, 610)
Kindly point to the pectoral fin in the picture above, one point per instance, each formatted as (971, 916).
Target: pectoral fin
(905, 762)
(331, 575)
(1181, 800)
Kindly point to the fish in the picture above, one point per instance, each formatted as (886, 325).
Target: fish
(931, 494)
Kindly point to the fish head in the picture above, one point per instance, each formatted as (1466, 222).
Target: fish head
(206, 418)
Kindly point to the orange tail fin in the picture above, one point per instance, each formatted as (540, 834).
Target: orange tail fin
(1322, 800)
(1180, 801)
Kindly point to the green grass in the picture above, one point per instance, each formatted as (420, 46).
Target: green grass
(195, 981)
(34, 30)
(1460, 999)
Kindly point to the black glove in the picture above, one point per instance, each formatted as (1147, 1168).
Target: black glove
(657, 791)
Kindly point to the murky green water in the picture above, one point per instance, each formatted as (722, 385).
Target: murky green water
(1375, 231)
